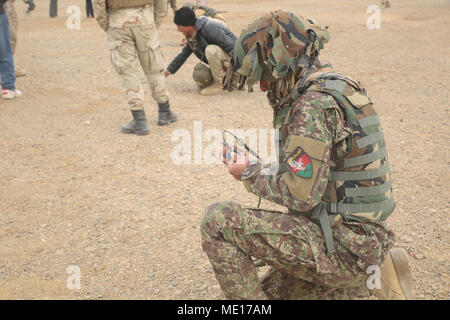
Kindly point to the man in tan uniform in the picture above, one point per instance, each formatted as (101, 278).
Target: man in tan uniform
(134, 47)
(13, 23)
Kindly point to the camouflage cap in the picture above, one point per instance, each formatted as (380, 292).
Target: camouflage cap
(273, 45)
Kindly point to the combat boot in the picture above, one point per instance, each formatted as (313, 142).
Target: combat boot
(396, 277)
(138, 125)
(165, 115)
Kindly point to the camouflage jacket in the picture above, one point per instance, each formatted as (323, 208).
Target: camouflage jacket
(316, 124)
(119, 18)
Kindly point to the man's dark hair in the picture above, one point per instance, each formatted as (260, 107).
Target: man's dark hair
(184, 17)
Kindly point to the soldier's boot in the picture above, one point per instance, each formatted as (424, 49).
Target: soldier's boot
(138, 125)
(165, 115)
(396, 277)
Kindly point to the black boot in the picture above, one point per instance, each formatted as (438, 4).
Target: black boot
(165, 115)
(138, 125)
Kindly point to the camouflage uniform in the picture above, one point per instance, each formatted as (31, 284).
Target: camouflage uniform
(134, 47)
(294, 243)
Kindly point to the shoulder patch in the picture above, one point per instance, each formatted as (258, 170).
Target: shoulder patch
(299, 162)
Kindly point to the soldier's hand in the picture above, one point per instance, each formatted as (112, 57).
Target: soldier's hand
(166, 73)
(236, 162)
(183, 42)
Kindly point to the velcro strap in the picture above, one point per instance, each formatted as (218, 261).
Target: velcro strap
(368, 191)
(358, 175)
(360, 207)
(370, 139)
(369, 121)
(366, 158)
(338, 85)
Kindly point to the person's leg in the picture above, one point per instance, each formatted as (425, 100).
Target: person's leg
(31, 6)
(123, 58)
(53, 8)
(89, 9)
(291, 244)
(278, 285)
(152, 63)
(8, 77)
(216, 58)
(13, 23)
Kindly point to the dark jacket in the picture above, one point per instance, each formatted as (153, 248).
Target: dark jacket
(2, 6)
(208, 32)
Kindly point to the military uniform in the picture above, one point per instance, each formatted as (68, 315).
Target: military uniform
(134, 48)
(333, 178)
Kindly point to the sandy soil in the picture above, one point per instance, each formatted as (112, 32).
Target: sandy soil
(75, 191)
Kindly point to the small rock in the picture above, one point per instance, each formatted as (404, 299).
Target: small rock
(419, 256)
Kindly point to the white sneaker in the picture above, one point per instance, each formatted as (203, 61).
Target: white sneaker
(10, 94)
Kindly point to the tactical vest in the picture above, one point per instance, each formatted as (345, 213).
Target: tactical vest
(359, 187)
(118, 4)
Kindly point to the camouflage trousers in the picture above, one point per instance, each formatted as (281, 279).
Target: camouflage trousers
(295, 250)
(135, 51)
(13, 23)
(216, 58)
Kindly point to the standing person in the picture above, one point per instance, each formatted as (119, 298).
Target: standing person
(7, 76)
(211, 42)
(13, 27)
(333, 178)
(134, 48)
(53, 8)
(89, 9)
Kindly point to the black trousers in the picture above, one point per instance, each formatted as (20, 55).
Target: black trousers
(89, 9)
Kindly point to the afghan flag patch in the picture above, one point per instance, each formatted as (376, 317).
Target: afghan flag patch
(300, 163)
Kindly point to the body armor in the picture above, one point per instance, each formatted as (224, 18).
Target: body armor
(359, 186)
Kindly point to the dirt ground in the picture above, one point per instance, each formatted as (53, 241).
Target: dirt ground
(75, 191)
